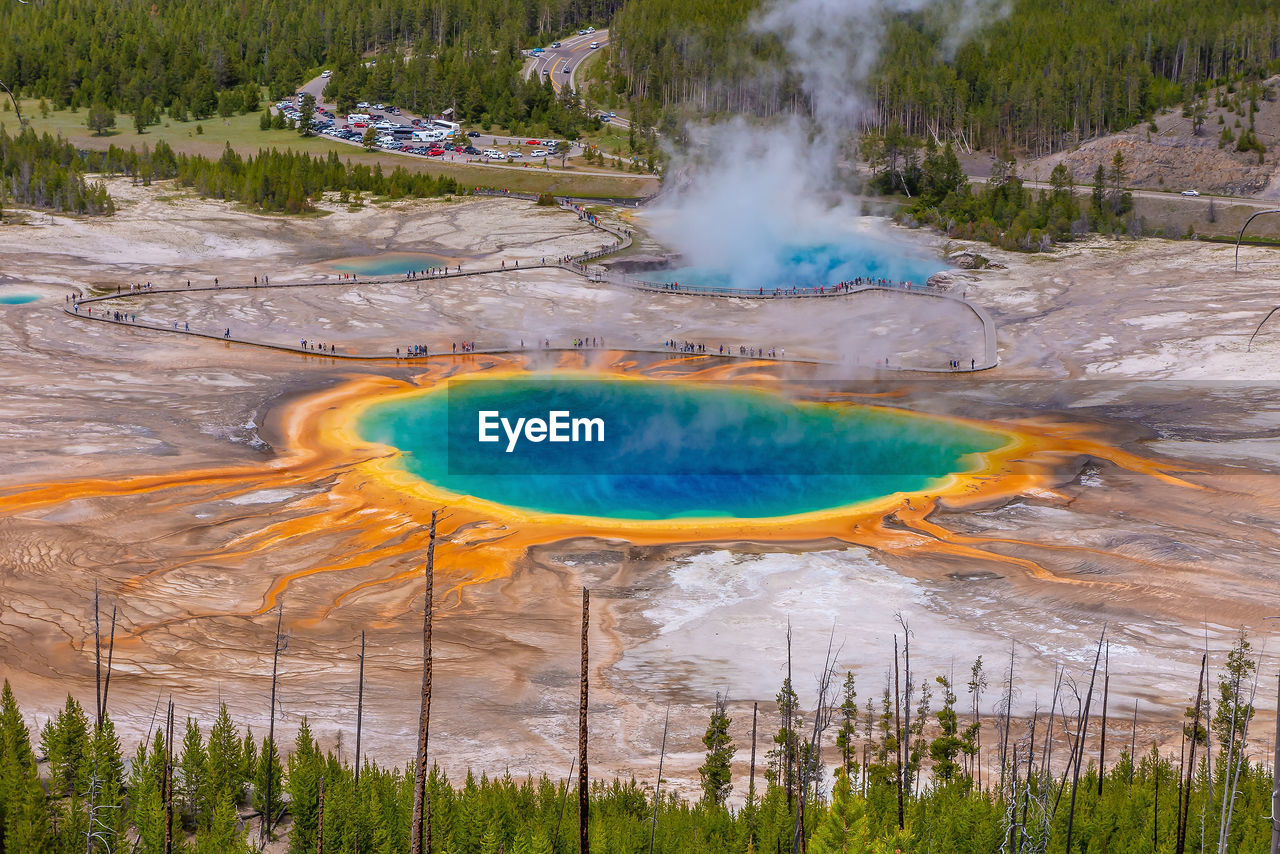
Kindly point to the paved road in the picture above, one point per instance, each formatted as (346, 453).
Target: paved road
(560, 64)
(1202, 199)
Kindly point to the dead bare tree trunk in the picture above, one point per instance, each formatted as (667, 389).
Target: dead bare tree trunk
(97, 658)
(564, 800)
(359, 707)
(906, 704)
(167, 788)
(821, 719)
(1008, 716)
(268, 819)
(751, 784)
(1102, 740)
(1184, 796)
(584, 837)
(1275, 780)
(420, 828)
(106, 676)
(1080, 734)
(1133, 743)
(1155, 804)
(657, 787)
(788, 716)
(897, 731)
(320, 819)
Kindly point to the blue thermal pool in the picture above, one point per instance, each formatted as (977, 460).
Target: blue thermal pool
(387, 263)
(18, 299)
(811, 265)
(669, 450)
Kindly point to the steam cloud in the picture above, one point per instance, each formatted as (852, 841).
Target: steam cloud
(745, 191)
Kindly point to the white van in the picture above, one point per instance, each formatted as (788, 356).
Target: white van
(492, 152)
(352, 118)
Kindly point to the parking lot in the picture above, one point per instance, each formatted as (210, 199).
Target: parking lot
(400, 132)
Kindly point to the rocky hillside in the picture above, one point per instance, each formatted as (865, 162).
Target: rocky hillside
(1222, 156)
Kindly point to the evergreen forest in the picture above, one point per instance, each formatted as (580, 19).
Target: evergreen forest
(911, 768)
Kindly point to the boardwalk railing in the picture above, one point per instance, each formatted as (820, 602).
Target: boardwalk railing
(577, 265)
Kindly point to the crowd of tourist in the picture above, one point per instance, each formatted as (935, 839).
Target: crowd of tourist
(743, 350)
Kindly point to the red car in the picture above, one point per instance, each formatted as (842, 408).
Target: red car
(532, 142)
(359, 125)
(435, 152)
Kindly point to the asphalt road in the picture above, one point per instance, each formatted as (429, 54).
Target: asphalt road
(560, 64)
(1202, 199)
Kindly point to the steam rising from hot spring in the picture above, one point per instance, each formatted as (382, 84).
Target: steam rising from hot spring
(744, 194)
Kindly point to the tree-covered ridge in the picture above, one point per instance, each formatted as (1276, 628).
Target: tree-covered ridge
(1042, 76)
(183, 52)
(909, 777)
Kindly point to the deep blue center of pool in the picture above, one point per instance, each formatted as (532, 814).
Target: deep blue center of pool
(670, 450)
(808, 266)
(17, 299)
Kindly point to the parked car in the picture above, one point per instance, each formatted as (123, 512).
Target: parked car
(363, 105)
(473, 134)
(435, 152)
(532, 142)
(591, 29)
(512, 155)
(471, 149)
(538, 152)
(1190, 192)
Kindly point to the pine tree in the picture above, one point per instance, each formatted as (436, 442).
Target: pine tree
(224, 778)
(223, 835)
(306, 767)
(716, 771)
(192, 769)
(844, 829)
(65, 742)
(944, 749)
(847, 735)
